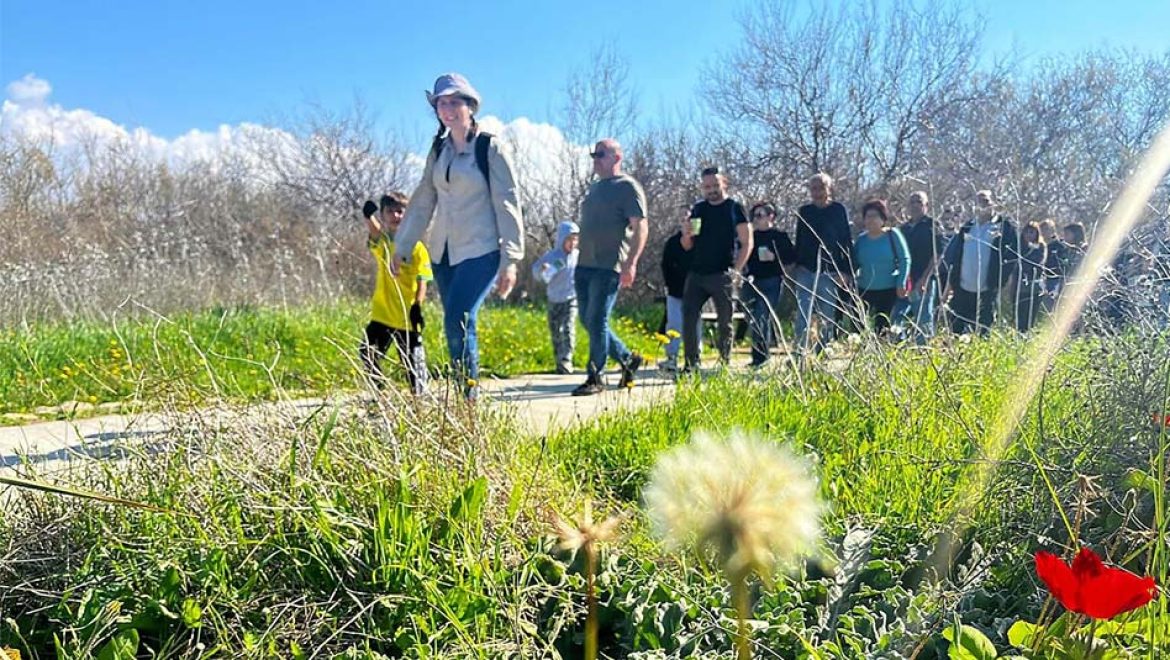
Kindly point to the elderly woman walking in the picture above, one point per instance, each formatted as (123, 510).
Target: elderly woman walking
(468, 202)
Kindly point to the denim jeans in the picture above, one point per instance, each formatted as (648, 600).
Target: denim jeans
(917, 312)
(463, 288)
(816, 293)
(597, 291)
(762, 297)
(674, 321)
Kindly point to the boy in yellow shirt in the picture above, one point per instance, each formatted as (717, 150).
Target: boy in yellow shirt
(396, 315)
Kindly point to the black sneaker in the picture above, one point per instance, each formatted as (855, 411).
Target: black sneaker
(589, 388)
(630, 370)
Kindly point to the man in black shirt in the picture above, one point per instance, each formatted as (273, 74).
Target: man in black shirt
(823, 270)
(709, 236)
(926, 247)
(761, 293)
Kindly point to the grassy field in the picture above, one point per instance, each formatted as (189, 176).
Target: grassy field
(250, 353)
(425, 531)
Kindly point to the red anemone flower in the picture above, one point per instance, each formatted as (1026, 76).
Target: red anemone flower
(1091, 588)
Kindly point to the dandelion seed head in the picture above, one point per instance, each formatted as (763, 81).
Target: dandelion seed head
(752, 502)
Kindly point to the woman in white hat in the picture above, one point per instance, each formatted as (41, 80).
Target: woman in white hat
(467, 200)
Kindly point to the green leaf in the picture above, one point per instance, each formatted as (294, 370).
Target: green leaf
(967, 643)
(123, 646)
(1138, 480)
(295, 651)
(32, 484)
(1022, 634)
(192, 613)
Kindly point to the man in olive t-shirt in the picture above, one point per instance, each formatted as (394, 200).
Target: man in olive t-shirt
(613, 234)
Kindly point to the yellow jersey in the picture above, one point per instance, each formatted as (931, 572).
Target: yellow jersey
(393, 296)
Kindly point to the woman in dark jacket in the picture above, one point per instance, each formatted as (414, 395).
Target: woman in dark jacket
(1030, 276)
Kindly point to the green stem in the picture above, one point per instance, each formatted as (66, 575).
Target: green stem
(739, 596)
(590, 602)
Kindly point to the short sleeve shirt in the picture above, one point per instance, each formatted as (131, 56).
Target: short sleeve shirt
(605, 221)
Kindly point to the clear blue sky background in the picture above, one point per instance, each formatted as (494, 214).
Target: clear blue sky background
(172, 66)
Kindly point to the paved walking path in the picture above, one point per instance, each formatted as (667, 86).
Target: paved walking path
(542, 402)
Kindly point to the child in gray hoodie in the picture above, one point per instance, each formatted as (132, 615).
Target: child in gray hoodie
(555, 268)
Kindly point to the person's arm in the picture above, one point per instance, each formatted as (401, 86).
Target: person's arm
(506, 203)
(509, 216)
(635, 212)
(907, 264)
(744, 232)
(425, 274)
(630, 267)
(688, 231)
(843, 253)
(419, 213)
(538, 265)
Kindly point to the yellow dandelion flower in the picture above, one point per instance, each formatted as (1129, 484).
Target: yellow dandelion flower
(662, 339)
(673, 334)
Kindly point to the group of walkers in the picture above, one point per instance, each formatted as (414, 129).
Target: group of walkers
(463, 228)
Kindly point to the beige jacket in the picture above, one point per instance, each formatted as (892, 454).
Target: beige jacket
(452, 203)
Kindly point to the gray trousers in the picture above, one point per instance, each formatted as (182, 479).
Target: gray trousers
(562, 326)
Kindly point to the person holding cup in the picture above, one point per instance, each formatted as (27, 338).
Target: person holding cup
(710, 235)
(765, 278)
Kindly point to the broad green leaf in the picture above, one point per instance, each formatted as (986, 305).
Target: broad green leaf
(967, 643)
(192, 613)
(123, 646)
(1022, 634)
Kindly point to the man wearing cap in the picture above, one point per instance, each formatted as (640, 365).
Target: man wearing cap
(613, 234)
(467, 199)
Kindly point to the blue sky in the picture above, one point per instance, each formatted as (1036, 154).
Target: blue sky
(171, 66)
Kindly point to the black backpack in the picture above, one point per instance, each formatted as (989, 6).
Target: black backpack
(482, 142)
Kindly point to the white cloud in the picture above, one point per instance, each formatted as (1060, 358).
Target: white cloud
(29, 90)
(539, 150)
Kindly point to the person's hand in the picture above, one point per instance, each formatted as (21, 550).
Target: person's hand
(901, 292)
(627, 276)
(417, 322)
(396, 263)
(506, 280)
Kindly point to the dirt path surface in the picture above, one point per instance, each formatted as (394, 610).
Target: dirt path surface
(542, 402)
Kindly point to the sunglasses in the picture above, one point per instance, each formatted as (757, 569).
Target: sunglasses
(597, 154)
(759, 214)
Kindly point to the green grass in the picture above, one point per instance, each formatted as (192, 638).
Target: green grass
(252, 353)
(423, 531)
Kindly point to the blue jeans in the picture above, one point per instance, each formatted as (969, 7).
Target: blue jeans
(674, 321)
(463, 288)
(917, 311)
(762, 297)
(597, 291)
(816, 293)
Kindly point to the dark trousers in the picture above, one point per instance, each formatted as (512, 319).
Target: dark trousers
(1029, 303)
(972, 311)
(761, 297)
(379, 338)
(699, 288)
(879, 306)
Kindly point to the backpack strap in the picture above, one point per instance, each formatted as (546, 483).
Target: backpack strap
(482, 142)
